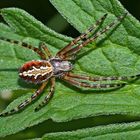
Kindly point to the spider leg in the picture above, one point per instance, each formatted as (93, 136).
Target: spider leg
(23, 44)
(43, 46)
(49, 96)
(26, 102)
(95, 36)
(87, 85)
(110, 78)
(82, 36)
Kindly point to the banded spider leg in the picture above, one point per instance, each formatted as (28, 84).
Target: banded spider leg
(81, 37)
(42, 46)
(26, 102)
(49, 96)
(74, 80)
(68, 51)
(43, 85)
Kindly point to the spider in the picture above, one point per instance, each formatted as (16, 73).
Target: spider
(60, 66)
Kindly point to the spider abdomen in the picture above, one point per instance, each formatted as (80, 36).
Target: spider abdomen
(36, 71)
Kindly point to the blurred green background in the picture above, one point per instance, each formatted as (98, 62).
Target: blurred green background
(47, 14)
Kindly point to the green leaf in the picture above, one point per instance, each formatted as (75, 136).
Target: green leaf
(118, 54)
(117, 131)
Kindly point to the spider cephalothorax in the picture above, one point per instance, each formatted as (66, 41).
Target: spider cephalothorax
(60, 66)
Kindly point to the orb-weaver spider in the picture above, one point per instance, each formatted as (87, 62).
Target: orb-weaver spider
(59, 66)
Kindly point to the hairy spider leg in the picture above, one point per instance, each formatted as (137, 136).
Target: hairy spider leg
(49, 96)
(43, 46)
(95, 36)
(26, 102)
(110, 78)
(82, 36)
(74, 82)
(23, 44)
